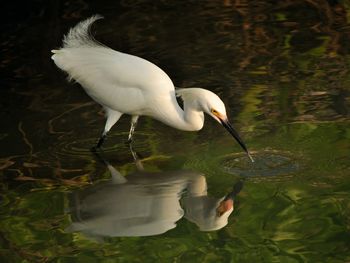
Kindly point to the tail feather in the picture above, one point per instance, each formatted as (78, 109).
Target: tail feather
(80, 34)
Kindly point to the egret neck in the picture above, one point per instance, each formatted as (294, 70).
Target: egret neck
(189, 119)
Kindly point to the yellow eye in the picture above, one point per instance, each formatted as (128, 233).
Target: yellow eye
(214, 111)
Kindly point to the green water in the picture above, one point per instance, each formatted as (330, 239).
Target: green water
(282, 71)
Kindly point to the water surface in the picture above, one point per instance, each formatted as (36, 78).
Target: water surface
(283, 73)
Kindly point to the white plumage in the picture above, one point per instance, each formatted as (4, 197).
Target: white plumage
(127, 84)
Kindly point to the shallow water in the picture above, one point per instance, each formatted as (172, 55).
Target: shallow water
(283, 73)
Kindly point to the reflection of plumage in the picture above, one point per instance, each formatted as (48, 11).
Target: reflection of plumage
(143, 204)
(202, 210)
(140, 207)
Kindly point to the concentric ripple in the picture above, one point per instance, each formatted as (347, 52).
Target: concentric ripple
(115, 142)
(267, 164)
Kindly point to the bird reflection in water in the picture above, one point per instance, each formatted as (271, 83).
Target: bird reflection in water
(148, 203)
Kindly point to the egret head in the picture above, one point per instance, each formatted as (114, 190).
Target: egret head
(216, 109)
(208, 102)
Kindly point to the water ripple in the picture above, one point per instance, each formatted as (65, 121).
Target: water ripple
(115, 142)
(267, 164)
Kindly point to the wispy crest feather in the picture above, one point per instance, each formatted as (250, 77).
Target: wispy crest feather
(80, 34)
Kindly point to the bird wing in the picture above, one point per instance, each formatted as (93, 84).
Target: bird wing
(92, 63)
(108, 75)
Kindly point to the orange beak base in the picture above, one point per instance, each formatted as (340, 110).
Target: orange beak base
(224, 206)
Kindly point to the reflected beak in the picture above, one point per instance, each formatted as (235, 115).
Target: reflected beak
(235, 135)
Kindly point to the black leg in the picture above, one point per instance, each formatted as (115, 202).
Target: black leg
(100, 157)
(99, 143)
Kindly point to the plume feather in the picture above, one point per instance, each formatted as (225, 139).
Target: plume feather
(80, 34)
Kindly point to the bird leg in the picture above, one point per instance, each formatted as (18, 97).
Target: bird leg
(138, 162)
(112, 117)
(101, 140)
(99, 143)
(132, 128)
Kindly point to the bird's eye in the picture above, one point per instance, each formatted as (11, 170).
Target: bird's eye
(214, 111)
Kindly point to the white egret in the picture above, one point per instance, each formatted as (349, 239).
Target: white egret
(127, 84)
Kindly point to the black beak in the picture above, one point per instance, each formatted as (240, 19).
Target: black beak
(235, 135)
(235, 191)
